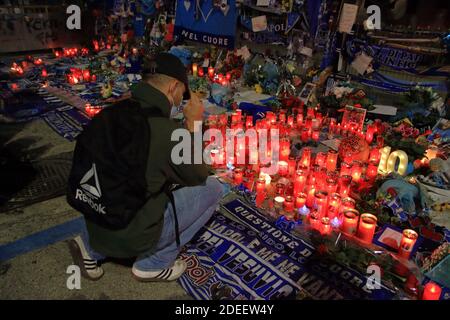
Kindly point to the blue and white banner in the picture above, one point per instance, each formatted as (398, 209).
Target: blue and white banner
(249, 257)
(210, 21)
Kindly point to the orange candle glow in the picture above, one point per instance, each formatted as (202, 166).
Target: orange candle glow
(372, 171)
(300, 200)
(431, 291)
(315, 221)
(409, 238)
(356, 171)
(194, 69)
(288, 204)
(299, 182)
(321, 158)
(321, 203)
(283, 168)
(326, 226)
(334, 202)
(350, 222)
(310, 198)
(44, 73)
(331, 160)
(306, 157)
(211, 72)
(285, 149)
(238, 176)
(366, 227)
(201, 72)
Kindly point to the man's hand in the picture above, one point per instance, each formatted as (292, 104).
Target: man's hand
(193, 111)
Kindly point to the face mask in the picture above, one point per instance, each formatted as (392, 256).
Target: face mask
(175, 109)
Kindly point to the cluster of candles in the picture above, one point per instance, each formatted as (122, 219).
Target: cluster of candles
(91, 110)
(71, 52)
(78, 75)
(221, 79)
(311, 186)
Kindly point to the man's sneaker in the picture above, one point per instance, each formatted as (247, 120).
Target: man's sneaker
(88, 266)
(169, 274)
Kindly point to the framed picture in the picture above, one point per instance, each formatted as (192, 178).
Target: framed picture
(306, 92)
(354, 117)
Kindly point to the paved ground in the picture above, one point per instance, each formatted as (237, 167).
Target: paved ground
(40, 273)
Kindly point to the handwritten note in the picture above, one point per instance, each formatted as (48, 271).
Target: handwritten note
(348, 17)
(361, 63)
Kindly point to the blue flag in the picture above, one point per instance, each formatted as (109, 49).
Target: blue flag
(210, 22)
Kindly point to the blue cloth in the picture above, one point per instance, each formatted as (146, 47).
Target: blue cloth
(195, 206)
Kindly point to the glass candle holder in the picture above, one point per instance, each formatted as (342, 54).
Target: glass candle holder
(283, 168)
(331, 185)
(290, 120)
(305, 160)
(280, 188)
(344, 185)
(300, 200)
(305, 135)
(260, 185)
(371, 129)
(372, 171)
(356, 171)
(292, 163)
(350, 221)
(321, 203)
(347, 203)
(285, 149)
(299, 119)
(249, 122)
(431, 291)
(315, 135)
(238, 176)
(346, 169)
(334, 203)
(366, 227)
(289, 204)
(321, 158)
(409, 238)
(331, 160)
(310, 195)
(315, 220)
(325, 228)
(299, 182)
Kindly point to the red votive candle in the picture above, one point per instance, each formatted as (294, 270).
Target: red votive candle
(292, 163)
(289, 204)
(375, 156)
(346, 169)
(305, 160)
(331, 185)
(305, 135)
(299, 119)
(326, 226)
(366, 227)
(201, 72)
(371, 129)
(290, 121)
(331, 160)
(228, 76)
(283, 168)
(348, 203)
(409, 238)
(334, 202)
(356, 171)
(315, 135)
(249, 122)
(299, 182)
(285, 149)
(431, 291)
(238, 176)
(310, 198)
(211, 72)
(300, 200)
(321, 158)
(321, 203)
(315, 220)
(350, 222)
(372, 171)
(344, 185)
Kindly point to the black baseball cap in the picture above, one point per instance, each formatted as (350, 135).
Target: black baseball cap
(170, 65)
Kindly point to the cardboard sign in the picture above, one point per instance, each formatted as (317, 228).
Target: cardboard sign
(348, 17)
(361, 63)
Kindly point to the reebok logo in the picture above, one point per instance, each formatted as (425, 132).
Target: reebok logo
(92, 191)
(80, 195)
